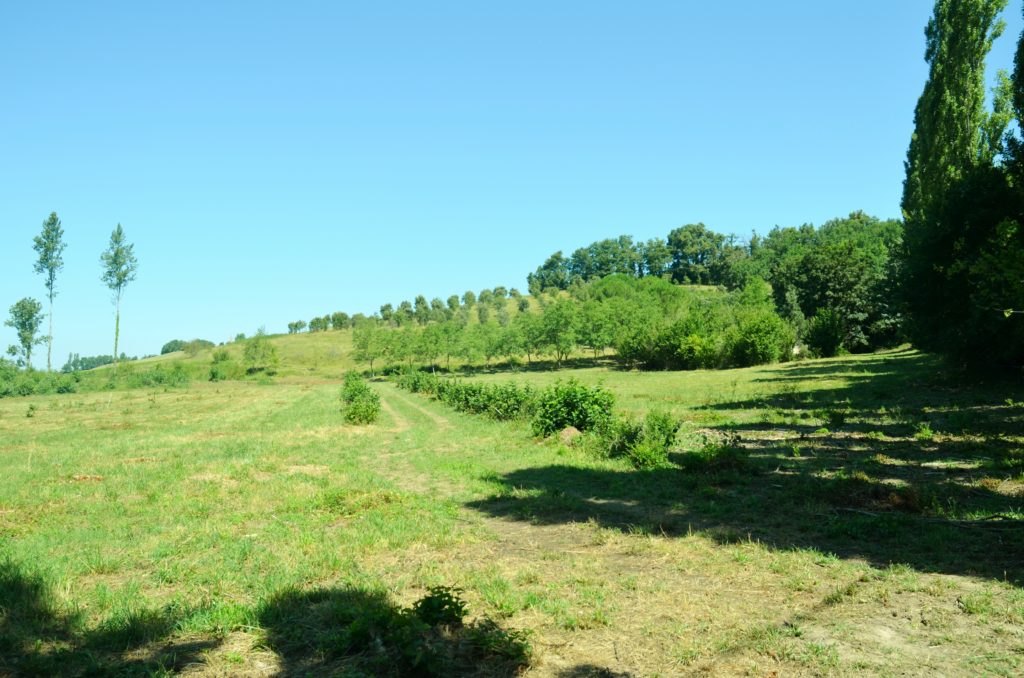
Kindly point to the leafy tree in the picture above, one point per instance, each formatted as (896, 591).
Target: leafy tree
(523, 304)
(387, 311)
(453, 303)
(438, 311)
(404, 313)
(49, 245)
(370, 342)
(119, 268)
(552, 274)
(655, 257)
(560, 325)
(469, 298)
(696, 254)
(172, 346)
(296, 327)
(26, 316)
(483, 312)
(320, 324)
(259, 354)
(422, 310)
(339, 320)
(962, 205)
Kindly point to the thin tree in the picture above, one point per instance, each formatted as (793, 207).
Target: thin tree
(49, 245)
(119, 267)
(26, 317)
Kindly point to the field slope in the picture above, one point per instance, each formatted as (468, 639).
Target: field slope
(872, 527)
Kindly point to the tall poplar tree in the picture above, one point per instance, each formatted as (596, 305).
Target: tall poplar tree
(49, 245)
(951, 177)
(119, 267)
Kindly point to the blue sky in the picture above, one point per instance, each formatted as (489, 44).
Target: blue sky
(276, 161)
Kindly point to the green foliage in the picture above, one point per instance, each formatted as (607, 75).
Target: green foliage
(497, 401)
(963, 200)
(570, 403)
(361, 403)
(296, 327)
(172, 346)
(259, 355)
(26, 316)
(441, 606)
(645, 443)
(119, 269)
(723, 453)
(222, 368)
(49, 246)
(825, 333)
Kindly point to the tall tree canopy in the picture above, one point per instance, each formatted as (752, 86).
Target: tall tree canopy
(49, 245)
(963, 254)
(119, 268)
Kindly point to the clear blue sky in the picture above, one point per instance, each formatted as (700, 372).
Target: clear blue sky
(276, 161)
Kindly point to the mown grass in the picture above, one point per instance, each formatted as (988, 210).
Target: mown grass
(146, 531)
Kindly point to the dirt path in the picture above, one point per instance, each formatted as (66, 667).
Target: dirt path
(401, 424)
(440, 421)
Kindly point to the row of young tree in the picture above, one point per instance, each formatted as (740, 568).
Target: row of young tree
(489, 303)
(840, 275)
(649, 323)
(26, 316)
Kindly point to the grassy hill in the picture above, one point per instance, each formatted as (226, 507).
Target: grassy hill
(225, 528)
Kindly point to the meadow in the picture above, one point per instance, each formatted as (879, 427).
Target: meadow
(870, 523)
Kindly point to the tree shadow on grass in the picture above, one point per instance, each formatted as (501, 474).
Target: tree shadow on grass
(349, 631)
(903, 463)
(849, 516)
(37, 639)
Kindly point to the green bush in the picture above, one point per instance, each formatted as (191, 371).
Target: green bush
(570, 403)
(825, 333)
(724, 454)
(223, 368)
(361, 403)
(646, 444)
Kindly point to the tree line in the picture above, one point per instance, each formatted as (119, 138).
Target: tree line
(649, 323)
(118, 268)
(835, 284)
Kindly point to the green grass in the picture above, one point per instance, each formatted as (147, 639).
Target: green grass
(142, 531)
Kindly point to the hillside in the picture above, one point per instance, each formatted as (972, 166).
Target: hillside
(867, 532)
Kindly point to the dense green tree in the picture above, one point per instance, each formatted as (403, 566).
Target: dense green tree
(453, 303)
(962, 203)
(421, 309)
(438, 311)
(171, 346)
(340, 320)
(119, 269)
(296, 327)
(49, 246)
(552, 274)
(469, 298)
(696, 254)
(26, 317)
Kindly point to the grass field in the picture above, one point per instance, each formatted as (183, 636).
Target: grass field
(217, 529)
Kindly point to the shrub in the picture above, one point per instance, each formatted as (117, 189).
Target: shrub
(223, 368)
(260, 355)
(646, 444)
(361, 403)
(717, 454)
(825, 333)
(570, 403)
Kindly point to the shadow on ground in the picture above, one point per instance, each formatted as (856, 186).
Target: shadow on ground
(38, 640)
(903, 463)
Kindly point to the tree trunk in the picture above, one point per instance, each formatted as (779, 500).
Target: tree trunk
(117, 327)
(49, 347)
